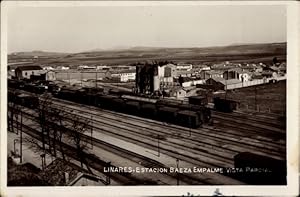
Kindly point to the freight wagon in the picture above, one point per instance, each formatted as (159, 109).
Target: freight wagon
(23, 99)
(188, 115)
(184, 115)
(224, 105)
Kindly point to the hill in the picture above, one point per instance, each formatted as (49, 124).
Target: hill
(246, 52)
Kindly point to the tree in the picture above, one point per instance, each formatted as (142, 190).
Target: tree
(43, 106)
(13, 110)
(78, 127)
(56, 130)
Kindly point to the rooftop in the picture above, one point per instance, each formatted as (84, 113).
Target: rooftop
(54, 173)
(22, 68)
(219, 79)
(122, 71)
(230, 81)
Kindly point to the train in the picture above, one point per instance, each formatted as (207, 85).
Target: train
(186, 115)
(25, 100)
(192, 116)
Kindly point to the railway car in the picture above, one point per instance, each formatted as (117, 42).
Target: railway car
(84, 97)
(29, 101)
(132, 107)
(198, 100)
(23, 99)
(224, 105)
(190, 115)
(34, 88)
(148, 110)
(15, 84)
(111, 102)
(188, 118)
(167, 114)
(66, 94)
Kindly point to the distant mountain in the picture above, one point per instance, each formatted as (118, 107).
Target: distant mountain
(38, 53)
(263, 52)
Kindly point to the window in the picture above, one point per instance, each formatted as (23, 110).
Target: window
(25, 73)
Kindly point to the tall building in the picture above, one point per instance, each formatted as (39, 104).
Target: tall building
(151, 78)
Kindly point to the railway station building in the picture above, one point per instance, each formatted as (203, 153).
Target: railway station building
(24, 72)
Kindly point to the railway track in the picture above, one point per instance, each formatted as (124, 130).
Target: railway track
(254, 125)
(120, 131)
(264, 115)
(93, 161)
(252, 129)
(203, 140)
(279, 125)
(173, 131)
(188, 179)
(248, 138)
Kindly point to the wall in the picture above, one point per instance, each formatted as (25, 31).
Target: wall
(27, 73)
(77, 75)
(254, 82)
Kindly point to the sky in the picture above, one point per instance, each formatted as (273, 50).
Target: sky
(77, 29)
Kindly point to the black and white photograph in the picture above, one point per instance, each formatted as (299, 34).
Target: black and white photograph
(149, 94)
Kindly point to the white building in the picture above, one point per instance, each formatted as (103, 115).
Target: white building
(65, 68)
(48, 68)
(184, 67)
(24, 72)
(50, 75)
(102, 67)
(86, 67)
(124, 75)
(166, 74)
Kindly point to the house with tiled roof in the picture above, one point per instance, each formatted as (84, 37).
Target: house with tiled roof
(65, 173)
(204, 74)
(237, 73)
(25, 72)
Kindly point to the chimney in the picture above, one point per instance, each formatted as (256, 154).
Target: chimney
(66, 178)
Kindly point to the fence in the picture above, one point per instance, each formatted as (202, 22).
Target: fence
(253, 83)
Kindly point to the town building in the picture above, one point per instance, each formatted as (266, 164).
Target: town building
(50, 75)
(178, 92)
(282, 68)
(211, 74)
(237, 73)
(218, 83)
(124, 75)
(25, 72)
(85, 67)
(152, 78)
(64, 173)
(185, 73)
(182, 66)
(104, 67)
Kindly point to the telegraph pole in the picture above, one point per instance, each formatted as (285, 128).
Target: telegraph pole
(21, 128)
(190, 122)
(158, 151)
(108, 176)
(96, 78)
(92, 131)
(81, 78)
(177, 165)
(226, 83)
(255, 101)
